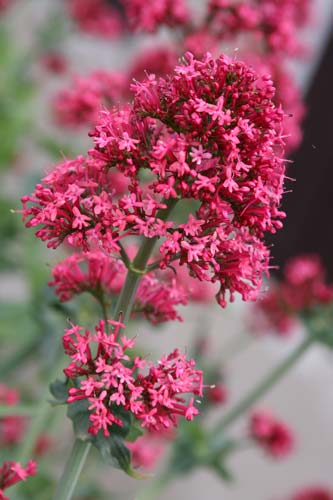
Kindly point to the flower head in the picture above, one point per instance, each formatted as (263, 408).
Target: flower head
(302, 289)
(108, 378)
(97, 273)
(12, 473)
(96, 17)
(313, 493)
(271, 434)
(12, 427)
(208, 134)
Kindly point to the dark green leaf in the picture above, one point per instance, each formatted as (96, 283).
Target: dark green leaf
(59, 391)
(135, 431)
(115, 453)
(79, 414)
(221, 470)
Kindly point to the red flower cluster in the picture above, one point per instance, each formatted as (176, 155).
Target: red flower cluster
(11, 473)
(271, 434)
(302, 289)
(209, 133)
(12, 427)
(314, 493)
(96, 17)
(96, 272)
(273, 21)
(54, 62)
(148, 16)
(4, 4)
(109, 378)
(80, 104)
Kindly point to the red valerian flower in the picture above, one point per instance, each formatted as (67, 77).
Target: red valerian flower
(13, 472)
(96, 17)
(80, 103)
(313, 493)
(158, 60)
(271, 434)
(12, 427)
(54, 62)
(4, 4)
(217, 394)
(146, 451)
(96, 272)
(208, 133)
(148, 16)
(272, 21)
(302, 289)
(107, 378)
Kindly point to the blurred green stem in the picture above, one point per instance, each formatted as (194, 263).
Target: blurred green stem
(218, 434)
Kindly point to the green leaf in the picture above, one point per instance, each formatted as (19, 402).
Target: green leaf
(79, 414)
(135, 431)
(222, 471)
(115, 452)
(59, 391)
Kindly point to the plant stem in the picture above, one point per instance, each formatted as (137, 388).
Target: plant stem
(136, 270)
(72, 472)
(260, 390)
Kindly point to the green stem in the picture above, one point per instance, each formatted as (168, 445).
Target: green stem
(73, 469)
(261, 389)
(136, 270)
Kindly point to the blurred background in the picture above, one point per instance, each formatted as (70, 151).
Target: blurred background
(41, 48)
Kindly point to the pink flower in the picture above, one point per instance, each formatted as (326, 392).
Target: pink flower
(148, 16)
(96, 17)
(313, 493)
(158, 60)
(146, 450)
(80, 103)
(12, 427)
(156, 298)
(235, 179)
(302, 289)
(217, 394)
(110, 377)
(12, 473)
(54, 62)
(271, 434)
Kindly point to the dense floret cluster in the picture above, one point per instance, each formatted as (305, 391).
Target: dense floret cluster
(98, 273)
(209, 134)
(109, 378)
(302, 289)
(12, 473)
(271, 434)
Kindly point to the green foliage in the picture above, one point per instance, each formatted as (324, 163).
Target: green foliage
(319, 324)
(193, 448)
(112, 448)
(59, 391)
